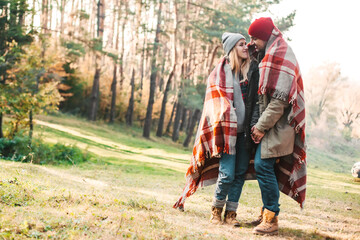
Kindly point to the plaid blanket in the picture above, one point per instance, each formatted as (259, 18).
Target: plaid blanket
(280, 77)
(218, 127)
(216, 132)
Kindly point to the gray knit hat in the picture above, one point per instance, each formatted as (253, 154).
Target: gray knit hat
(229, 40)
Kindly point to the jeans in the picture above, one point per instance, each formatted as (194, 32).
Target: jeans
(231, 177)
(265, 174)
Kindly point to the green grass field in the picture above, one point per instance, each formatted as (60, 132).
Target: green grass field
(128, 188)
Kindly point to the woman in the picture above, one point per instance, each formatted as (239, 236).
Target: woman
(223, 143)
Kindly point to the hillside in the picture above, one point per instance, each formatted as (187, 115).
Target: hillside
(128, 189)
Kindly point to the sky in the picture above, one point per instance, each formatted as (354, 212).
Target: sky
(324, 31)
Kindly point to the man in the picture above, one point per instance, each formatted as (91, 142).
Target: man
(280, 157)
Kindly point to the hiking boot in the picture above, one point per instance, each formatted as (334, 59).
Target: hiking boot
(259, 219)
(230, 218)
(269, 224)
(215, 215)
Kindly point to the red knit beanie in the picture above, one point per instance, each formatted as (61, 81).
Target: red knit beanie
(261, 28)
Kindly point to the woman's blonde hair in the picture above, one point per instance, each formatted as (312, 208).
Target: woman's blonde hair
(239, 65)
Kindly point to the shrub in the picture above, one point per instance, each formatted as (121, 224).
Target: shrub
(18, 149)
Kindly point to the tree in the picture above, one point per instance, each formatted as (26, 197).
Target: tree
(159, 131)
(114, 82)
(321, 86)
(194, 118)
(185, 36)
(129, 113)
(348, 112)
(30, 89)
(12, 38)
(148, 118)
(98, 46)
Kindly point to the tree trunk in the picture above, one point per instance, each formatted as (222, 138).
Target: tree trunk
(110, 39)
(163, 104)
(210, 66)
(123, 46)
(44, 26)
(130, 110)
(114, 82)
(95, 93)
(190, 132)
(179, 110)
(191, 112)
(94, 99)
(1, 124)
(62, 12)
(148, 119)
(185, 60)
(183, 120)
(33, 12)
(31, 124)
(161, 80)
(50, 17)
(171, 118)
(113, 95)
(142, 68)
(44, 16)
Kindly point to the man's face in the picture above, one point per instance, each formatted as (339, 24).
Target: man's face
(259, 44)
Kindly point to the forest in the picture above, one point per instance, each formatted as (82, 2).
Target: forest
(143, 62)
(138, 62)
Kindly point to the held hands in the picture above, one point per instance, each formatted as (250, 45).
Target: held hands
(256, 135)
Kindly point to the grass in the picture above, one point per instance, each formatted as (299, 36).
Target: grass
(128, 189)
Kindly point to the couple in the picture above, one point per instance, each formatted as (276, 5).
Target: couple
(254, 109)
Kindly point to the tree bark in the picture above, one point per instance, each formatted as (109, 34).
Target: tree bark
(169, 81)
(130, 110)
(159, 132)
(113, 95)
(123, 46)
(44, 26)
(171, 118)
(94, 99)
(183, 119)
(1, 124)
(50, 17)
(114, 82)
(210, 66)
(44, 15)
(142, 68)
(191, 112)
(62, 13)
(31, 124)
(33, 12)
(184, 69)
(176, 128)
(95, 92)
(190, 132)
(148, 118)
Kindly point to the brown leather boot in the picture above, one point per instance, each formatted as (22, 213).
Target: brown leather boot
(215, 215)
(230, 218)
(269, 224)
(259, 219)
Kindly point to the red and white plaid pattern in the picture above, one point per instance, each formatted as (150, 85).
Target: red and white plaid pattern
(280, 77)
(217, 129)
(216, 133)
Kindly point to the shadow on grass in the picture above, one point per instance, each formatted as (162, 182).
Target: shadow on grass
(114, 148)
(298, 234)
(138, 167)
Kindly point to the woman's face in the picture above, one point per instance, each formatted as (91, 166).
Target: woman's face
(241, 49)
